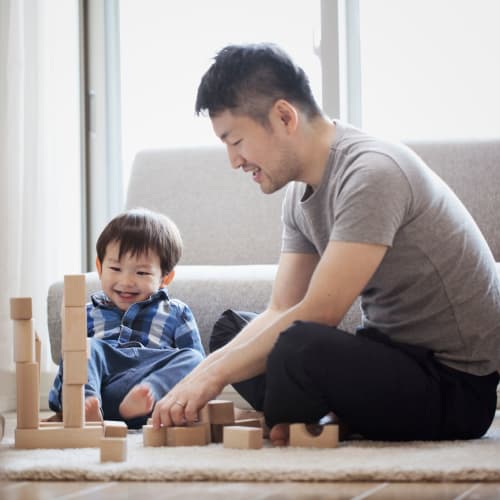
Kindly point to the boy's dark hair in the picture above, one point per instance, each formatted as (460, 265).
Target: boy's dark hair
(140, 230)
(249, 79)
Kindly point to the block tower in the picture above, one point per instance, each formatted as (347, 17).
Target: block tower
(73, 432)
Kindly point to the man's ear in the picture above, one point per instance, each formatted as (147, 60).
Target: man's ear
(286, 114)
(167, 279)
(98, 266)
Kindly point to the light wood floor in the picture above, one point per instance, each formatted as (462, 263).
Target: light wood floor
(52, 490)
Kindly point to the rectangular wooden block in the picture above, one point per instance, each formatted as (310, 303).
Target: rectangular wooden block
(218, 411)
(249, 422)
(74, 290)
(20, 308)
(24, 341)
(328, 436)
(242, 437)
(28, 395)
(74, 329)
(50, 437)
(186, 436)
(154, 437)
(113, 449)
(75, 367)
(73, 402)
(115, 428)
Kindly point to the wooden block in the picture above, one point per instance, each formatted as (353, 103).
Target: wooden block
(249, 422)
(154, 437)
(49, 437)
(73, 403)
(20, 308)
(218, 411)
(28, 395)
(115, 428)
(74, 329)
(2, 426)
(113, 449)
(328, 436)
(38, 349)
(24, 341)
(74, 290)
(242, 437)
(75, 367)
(217, 433)
(186, 436)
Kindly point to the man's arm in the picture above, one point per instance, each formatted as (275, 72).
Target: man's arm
(339, 277)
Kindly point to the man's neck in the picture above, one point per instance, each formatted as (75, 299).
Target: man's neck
(318, 137)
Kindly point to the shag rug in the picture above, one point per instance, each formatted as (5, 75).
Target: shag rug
(475, 460)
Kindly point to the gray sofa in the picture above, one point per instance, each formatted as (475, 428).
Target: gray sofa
(232, 231)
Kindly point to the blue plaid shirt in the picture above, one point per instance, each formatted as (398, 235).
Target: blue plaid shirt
(158, 322)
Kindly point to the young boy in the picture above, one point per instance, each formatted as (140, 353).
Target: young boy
(143, 342)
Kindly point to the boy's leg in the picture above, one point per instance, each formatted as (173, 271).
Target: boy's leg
(225, 329)
(382, 390)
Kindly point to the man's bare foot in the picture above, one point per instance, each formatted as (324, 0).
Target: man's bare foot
(92, 410)
(138, 402)
(57, 417)
(279, 434)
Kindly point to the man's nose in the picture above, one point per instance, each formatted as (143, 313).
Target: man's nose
(236, 160)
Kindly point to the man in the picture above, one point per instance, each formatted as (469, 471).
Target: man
(361, 217)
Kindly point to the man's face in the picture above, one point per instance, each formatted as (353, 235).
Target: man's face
(265, 152)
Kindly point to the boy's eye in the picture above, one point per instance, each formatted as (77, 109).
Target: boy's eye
(143, 273)
(237, 142)
(114, 268)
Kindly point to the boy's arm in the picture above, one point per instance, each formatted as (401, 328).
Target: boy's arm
(186, 333)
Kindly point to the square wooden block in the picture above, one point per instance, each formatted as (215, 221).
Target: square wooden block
(20, 308)
(154, 437)
(115, 428)
(242, 437)
(113, 449)
(186, 436)
(218, 411)
(74, 290)
(24, 341)
(328, 437)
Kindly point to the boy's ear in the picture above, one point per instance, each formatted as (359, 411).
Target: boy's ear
(98, 266)
(168, 278)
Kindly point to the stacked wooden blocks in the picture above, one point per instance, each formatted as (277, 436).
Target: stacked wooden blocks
(73, 433)
(216, 424)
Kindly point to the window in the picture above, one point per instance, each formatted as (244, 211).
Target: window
(429, 69)
(165, 47)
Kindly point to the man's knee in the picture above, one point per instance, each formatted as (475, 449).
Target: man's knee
(227, 327)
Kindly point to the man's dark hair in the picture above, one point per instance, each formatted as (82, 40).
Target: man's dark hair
(249, 79)
(139, 231)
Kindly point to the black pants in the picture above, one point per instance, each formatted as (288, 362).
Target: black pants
(381, 389)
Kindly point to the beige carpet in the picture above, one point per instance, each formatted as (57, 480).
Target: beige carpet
(477, 460)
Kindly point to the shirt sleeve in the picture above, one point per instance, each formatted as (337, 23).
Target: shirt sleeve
(372, 203)
(186, 334)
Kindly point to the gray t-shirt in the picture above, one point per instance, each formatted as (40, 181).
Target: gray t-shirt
(437, 285)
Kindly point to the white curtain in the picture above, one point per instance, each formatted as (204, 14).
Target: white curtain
(40, 215)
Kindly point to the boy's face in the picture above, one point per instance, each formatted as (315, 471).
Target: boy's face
(130, 279)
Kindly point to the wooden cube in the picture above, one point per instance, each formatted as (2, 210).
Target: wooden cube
(113, 449)
(28, 395)
(74, 329)
(115, 428)
(24, 341)
(74, 290)
(73, 402)
(186, 436)
(218, 411)
(327, 438)
(154, 437)
(20, 308)
(75, 367)
(242, 437)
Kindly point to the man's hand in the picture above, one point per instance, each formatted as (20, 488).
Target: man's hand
(181, 405)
